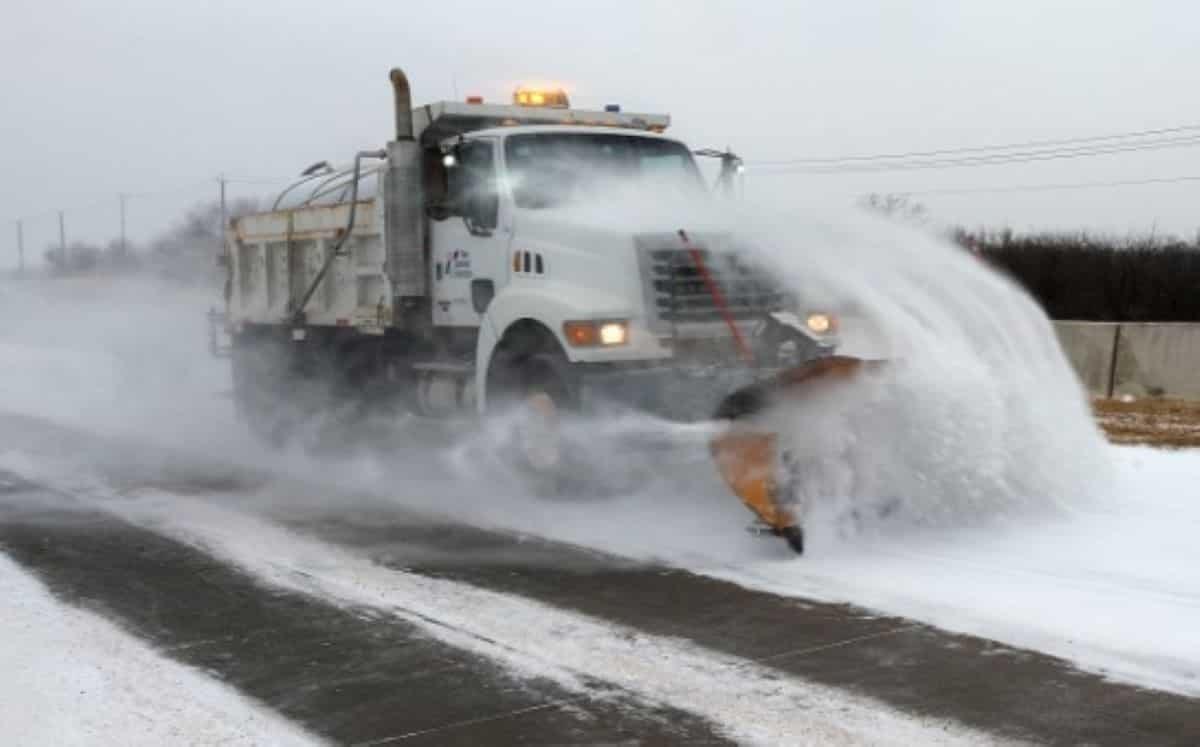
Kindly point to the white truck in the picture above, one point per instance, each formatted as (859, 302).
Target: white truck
(445, 273)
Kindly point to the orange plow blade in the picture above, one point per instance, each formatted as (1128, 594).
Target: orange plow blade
(748, 455)
(747, 461)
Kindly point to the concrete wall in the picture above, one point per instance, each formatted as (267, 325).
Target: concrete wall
(1143, 360)
(1090, 347)
(1158, 360)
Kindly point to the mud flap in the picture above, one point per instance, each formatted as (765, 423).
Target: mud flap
(747, 453)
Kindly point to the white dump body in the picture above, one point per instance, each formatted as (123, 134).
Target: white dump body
(276, 256)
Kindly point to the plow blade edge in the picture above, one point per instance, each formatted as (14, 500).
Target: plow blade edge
(747, 452)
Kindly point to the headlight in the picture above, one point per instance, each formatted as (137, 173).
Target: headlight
(584, 334)
(613, 333)
(820, 324)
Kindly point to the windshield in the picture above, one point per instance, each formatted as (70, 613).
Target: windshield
(549, 169)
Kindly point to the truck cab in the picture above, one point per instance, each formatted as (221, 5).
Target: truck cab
(516, 234)
(545, 225)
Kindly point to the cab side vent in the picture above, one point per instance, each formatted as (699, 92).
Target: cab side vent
(528, 263)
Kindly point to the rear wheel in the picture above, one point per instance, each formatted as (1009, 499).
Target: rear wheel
(279, 394)
(259, 367)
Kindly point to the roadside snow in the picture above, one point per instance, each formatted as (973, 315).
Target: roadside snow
(1114, 588)
(1111, 584)
(70, 677)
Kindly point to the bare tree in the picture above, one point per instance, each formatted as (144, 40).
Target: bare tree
(187, 251)
(897, 206)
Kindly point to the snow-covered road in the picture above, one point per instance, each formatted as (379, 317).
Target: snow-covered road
(1112, 585)
(743, 696)
(748, 702)
(71, 677)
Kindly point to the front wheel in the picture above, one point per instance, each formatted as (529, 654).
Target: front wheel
(534, 400)
(540, 435)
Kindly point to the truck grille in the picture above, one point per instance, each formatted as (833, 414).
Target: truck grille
(676, 292)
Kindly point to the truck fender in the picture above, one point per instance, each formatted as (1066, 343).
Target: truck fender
(485, 345)
(543, 305)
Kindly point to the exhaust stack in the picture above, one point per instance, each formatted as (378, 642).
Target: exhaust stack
(403, 100)
(404, 214)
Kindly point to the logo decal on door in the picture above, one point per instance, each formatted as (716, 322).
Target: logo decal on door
(458, 264)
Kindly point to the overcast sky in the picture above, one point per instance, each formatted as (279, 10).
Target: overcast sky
(108, 96)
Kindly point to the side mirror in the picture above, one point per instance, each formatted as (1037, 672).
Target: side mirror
(439, 211)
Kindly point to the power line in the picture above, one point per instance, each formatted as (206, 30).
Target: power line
(101, 202)
(996, 158)
(261, 180)
(123, 199)
(1050, 187)
(189, 187)
(78, 207)
(979, 149)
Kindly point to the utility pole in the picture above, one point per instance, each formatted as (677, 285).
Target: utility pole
(62, 240)
(20, 248)
(122, 197)
(221, 232)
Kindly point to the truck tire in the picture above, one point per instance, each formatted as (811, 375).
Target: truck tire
(546, 400)
(530, 392)
(260, 371)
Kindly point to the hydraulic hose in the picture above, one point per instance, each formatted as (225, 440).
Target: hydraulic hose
(298, 310)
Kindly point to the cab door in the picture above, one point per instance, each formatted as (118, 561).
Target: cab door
(469, 247)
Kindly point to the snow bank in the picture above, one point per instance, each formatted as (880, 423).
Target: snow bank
(72, 678)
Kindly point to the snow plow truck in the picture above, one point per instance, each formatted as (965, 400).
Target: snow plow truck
(444, 272)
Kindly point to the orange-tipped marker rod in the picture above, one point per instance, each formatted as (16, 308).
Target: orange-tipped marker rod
(718, 297)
